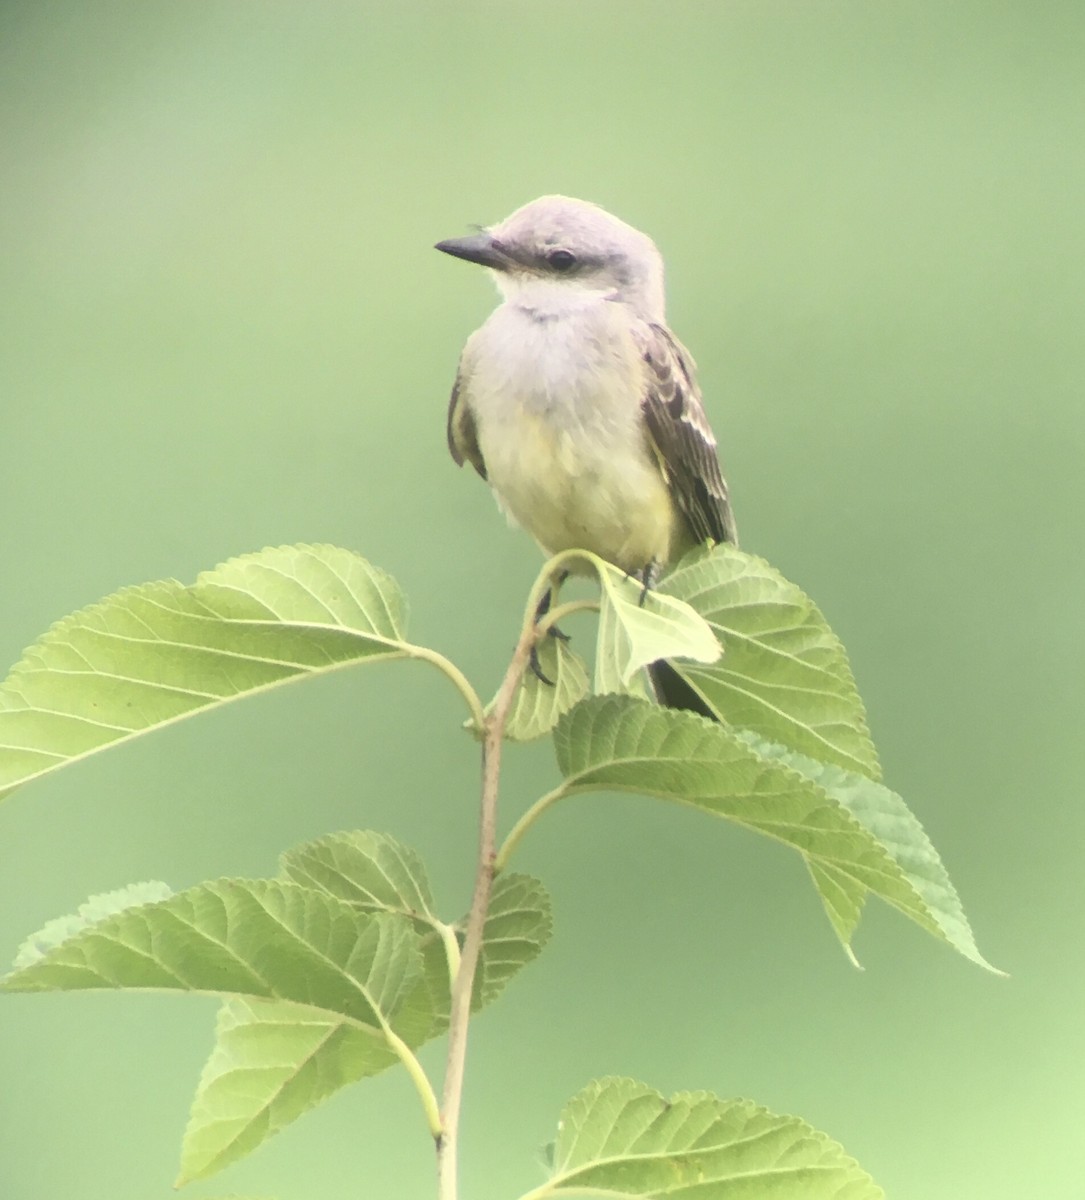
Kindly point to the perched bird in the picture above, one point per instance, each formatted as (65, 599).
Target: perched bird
(577, 404)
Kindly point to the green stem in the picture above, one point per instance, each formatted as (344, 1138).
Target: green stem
(557, 564)
(449, 668)
(452, 951)
(566, 610)
(524, 824)
(420, 1080)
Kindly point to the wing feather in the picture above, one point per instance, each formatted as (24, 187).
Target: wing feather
(682, 437)
(462, 431)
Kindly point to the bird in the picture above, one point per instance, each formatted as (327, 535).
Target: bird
(579, 407)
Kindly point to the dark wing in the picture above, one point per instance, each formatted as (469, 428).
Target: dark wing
(462, 433)
(682, 437)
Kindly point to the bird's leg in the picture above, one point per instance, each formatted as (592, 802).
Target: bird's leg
(647, 575)
(541, 610)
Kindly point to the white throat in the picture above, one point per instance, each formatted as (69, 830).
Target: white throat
(549, 298)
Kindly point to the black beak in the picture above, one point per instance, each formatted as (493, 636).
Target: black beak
(479, 248)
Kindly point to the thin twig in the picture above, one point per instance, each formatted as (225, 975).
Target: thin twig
(493, 734)
(521, 827)
(449, 668)
(418, 1077)
(562, 611)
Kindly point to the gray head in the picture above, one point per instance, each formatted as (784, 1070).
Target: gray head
(557, 252)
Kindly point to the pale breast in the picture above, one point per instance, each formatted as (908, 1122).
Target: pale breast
(557, 407)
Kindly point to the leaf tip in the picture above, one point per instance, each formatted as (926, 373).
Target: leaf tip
(851, 957)
(980, 961)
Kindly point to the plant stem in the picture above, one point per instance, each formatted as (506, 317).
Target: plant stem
(452, 952)
(448, 668)
(493, 726)
(418, 1078)
(565, 610)
(524, 824)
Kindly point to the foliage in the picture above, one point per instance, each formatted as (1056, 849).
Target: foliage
(340, 967)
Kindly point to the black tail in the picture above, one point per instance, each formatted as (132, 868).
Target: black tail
(673, 691)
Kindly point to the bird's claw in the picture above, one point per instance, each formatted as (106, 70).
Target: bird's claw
(541, 609)
(536, 667)
(647, 579)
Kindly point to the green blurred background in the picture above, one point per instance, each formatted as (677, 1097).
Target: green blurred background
(224, 327)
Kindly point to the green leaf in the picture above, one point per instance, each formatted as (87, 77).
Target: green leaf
(316, 967)
(518, 926)
(856, 836)
(59, 930)
(377, 873)
(273, 1061)
(538, 705)
(785, 674)
(257, 938)
(313, 983)
(147, 656)
(930, 899)
(371, 870)
(636, 627)
(843, 898)
(620, 1138)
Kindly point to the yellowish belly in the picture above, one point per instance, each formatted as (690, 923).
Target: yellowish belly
(570, 493)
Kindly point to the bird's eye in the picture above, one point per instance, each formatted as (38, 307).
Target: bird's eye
(561, 260)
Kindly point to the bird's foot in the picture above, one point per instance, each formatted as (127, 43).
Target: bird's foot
(536, 667)
(541, 610)
(647, 576)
